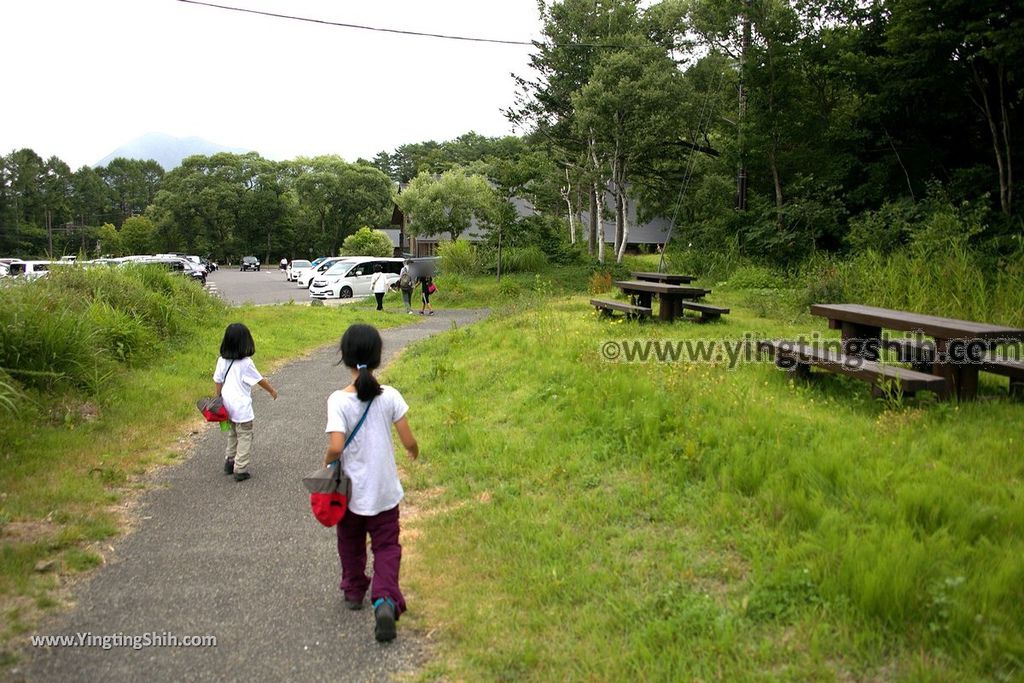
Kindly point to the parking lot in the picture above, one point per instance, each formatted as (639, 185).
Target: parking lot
(266, 286)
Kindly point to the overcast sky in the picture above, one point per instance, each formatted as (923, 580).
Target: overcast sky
(83, 77)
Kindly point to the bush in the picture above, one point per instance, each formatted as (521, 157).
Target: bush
(367, 242)
(523, 260)
(754, 277)
(600, 282)
(459, 257)
(74, 327)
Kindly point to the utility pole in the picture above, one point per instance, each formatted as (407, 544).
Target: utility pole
(741, 175)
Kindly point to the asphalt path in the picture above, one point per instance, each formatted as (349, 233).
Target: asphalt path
(266, 286)
(244, 562)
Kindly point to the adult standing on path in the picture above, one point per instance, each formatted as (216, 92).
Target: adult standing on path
(407, 283)
(249, 567)
(379, 283)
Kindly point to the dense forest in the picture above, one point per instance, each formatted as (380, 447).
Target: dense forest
(766, 128)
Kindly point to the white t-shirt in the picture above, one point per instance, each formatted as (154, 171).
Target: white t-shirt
(379, 283)
(369, 461)
(237, 389)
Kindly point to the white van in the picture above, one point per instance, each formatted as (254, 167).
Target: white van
(352, 277)
(30, 270)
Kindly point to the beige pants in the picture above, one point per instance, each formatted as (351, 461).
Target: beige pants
(240, 444)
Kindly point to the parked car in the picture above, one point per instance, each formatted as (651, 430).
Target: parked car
(352, 277)
(295, 269)
(176, 265)
(305, 278)
(30, 270)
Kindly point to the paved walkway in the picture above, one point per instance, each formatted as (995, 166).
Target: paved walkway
(245, 562)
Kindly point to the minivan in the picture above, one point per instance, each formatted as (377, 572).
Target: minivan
(352, 277)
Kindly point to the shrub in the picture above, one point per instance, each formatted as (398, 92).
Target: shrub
(523, 260)
(367, 242)
(459, 257)
(600, 282)
(754, 277)
(75, 326)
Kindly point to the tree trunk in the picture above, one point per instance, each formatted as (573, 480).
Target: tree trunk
(621, 219)
(567, 196)
(594, 221)
(777, 180)
(1000, 138)
(616, 174)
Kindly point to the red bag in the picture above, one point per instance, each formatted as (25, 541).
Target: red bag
(328, 508)
(213, 409)
(329, 488)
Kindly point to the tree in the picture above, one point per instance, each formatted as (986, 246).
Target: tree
(108, 241)
(629, 108)
(137, 235)
(448, 203)
(337, 197)
(367, 242)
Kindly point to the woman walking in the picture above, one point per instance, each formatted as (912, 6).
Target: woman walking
(379, 284)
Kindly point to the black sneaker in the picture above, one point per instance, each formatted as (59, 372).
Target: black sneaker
(229, 465)
(353, 604)
(241, 476)
(384, 610)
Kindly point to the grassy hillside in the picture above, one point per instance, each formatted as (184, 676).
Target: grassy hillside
(578, 519)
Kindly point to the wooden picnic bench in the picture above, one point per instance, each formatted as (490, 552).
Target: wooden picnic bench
(670, 297)
(800, 358)
(606, 307)
(1007, 367)
(667, 278)
(959, 345)
(707, 311)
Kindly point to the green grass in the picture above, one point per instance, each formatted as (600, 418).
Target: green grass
(577, 519)
(70, 458)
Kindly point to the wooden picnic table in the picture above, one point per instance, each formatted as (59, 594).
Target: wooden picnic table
(667, 278)
(957, 342)
(670, 297)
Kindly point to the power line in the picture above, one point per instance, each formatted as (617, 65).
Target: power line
(360, 26)
(422, 34)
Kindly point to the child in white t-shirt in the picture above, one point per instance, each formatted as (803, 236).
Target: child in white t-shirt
(369, 461)
(234, 378)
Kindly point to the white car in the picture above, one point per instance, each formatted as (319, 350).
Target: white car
(295, 268)
(352, 277)
(305, 279)
(30, 270)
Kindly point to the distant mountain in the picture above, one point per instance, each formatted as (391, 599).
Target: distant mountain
(167, 150)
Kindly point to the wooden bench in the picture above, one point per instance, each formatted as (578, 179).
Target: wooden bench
(921, 356)
(707, 312)
(800, 357)
(1014, 369)
(633, 312)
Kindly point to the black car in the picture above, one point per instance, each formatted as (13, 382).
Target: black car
(250, 263)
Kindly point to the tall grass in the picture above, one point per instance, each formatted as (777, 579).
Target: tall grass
(75, 327)
(955, 282)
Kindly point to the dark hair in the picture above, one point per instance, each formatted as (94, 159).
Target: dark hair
(377, 268)
(237, 343)
(361, 346)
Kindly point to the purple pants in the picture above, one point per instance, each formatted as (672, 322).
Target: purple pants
(387, 556)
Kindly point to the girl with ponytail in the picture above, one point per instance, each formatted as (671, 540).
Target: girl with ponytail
(368, 409)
